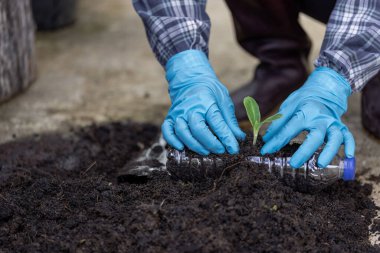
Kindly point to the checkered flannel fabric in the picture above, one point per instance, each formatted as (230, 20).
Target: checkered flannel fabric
(173, 26)
(352, 41)
(351, 45)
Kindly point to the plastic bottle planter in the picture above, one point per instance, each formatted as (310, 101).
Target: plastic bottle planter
(308, 178)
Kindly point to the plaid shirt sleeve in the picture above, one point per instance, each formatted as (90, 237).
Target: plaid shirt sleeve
(352, 41)
(173, 26)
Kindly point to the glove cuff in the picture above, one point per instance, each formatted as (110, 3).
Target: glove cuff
(188, 64)
(331, 80)
(187, 59)
(328, 85)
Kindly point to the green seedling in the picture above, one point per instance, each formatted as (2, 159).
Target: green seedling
(254, 116)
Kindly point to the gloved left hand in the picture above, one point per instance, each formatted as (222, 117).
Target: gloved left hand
(202, 115)
(316, 107)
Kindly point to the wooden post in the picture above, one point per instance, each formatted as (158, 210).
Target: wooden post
(17, 52)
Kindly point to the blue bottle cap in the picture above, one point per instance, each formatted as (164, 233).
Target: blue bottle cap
(349, 169)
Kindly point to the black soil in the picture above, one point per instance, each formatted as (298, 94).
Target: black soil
(59, 193)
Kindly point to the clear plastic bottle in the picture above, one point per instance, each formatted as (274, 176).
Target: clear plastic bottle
(308, 178)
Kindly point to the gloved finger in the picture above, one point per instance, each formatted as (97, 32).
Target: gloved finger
(183, 132)
(349, 143)
(276, 125)
(290, 130)
(228, 111)
(217, 124)
(334, 141)
(203, 135)
(312, 142)
(167, 129)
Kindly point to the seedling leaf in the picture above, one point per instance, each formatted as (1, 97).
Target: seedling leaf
(252, 109)
(254, 116)
(271, 118)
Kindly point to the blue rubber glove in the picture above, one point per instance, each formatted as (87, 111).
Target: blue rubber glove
(202, 115)
(316, 107)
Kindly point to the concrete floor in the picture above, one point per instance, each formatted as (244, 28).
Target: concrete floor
(102, 69)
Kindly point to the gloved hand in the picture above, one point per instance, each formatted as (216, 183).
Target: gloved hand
(316, 107)
(202, 114)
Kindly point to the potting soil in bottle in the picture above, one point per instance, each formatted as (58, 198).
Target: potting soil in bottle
(188, 166)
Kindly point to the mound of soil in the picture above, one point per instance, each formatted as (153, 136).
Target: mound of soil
(58, 193)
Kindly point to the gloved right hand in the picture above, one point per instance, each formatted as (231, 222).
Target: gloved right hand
(316, 107)
(202, 115)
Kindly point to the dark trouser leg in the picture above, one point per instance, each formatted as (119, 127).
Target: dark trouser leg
(319, 10)
(371, 106)
(269, 30)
